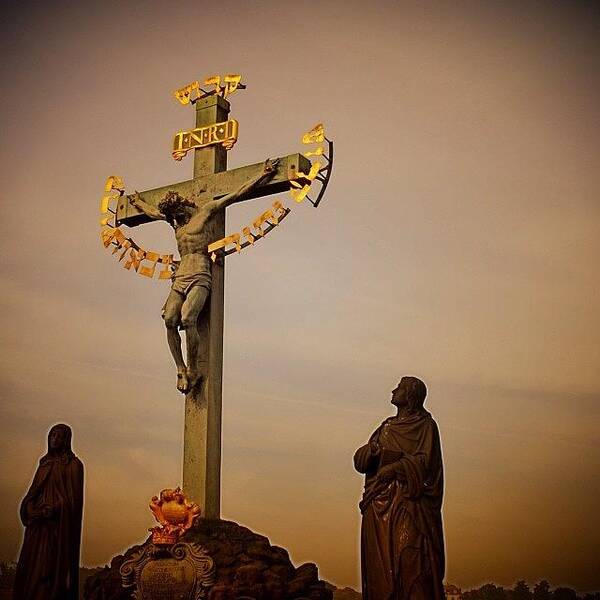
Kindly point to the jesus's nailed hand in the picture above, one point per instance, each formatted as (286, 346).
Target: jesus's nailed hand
(270, 167)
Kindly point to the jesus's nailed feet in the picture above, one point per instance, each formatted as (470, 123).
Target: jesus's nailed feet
(182, 381)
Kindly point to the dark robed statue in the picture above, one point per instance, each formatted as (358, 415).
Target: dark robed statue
(402, 540)
(48, 567)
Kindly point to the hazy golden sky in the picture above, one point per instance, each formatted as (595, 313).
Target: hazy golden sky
(459, 242)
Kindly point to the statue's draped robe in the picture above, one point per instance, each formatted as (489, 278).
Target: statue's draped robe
(48, 567)
(402, 540)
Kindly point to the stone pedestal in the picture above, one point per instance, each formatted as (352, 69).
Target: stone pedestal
(176, 572)
(246, 566)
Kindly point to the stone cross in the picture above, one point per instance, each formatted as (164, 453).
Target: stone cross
(203, 404)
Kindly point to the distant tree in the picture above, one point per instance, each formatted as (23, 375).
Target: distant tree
(541, 591)
(562, 593)
(486, 592)
(521, 591)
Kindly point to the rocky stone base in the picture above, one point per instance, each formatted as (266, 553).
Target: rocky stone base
(247, 566)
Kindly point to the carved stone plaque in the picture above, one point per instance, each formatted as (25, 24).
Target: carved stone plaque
(179, 572)
(168, 579)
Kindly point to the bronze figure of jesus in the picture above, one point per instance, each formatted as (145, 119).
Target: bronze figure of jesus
(192, 279)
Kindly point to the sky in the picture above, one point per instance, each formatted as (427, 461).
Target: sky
(458, 241)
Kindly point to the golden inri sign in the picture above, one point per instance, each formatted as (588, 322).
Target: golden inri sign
(225, 133)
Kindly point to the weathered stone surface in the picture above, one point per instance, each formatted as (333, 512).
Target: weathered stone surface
(168, 578)
(246, 566)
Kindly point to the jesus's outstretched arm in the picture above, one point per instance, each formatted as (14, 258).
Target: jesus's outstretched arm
(268, 172)
(147, 209)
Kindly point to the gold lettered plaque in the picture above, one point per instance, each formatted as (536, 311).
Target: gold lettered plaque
(179, 572)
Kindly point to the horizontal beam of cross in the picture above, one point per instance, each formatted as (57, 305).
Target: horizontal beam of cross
(218, 185)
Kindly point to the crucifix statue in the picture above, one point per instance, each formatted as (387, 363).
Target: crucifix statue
(195, 208)
(192, 279)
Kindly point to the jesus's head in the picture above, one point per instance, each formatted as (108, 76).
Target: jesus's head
(176, 208)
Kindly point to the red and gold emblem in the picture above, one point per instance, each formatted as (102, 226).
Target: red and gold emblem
(174, 513)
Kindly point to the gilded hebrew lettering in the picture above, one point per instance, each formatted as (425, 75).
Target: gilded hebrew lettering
(318, 152)
(234, 238)
(184, 95)
(167, 260)
(315, 135)
(261, 220)
(216, 81)
(299, 194)
(107, 236)
(135, 258)
(152, 257)
(192, 92)
(278, 207)
(248, 235)
(272, 217)
(225, 133)
(232, 83)
(299, 189)
(124, 246)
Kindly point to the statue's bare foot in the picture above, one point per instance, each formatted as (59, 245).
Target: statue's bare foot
(182, 381)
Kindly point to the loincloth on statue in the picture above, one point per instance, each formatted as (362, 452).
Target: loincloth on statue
(193, 270)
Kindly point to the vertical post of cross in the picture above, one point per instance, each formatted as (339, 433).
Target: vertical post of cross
(203, 405)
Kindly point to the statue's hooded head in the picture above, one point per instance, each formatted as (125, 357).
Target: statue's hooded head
(410, 393)
(59, 440)
(175, 208)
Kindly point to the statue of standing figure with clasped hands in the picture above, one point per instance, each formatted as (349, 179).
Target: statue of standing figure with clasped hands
(48, 567)
(402, 540)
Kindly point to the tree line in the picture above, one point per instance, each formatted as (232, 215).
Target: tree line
(521, 591)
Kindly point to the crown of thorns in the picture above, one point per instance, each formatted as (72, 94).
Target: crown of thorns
(172, 201)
